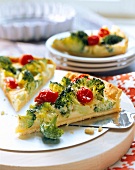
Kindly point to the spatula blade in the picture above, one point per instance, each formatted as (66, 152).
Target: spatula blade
(120, 120)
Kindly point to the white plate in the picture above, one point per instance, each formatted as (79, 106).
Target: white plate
(130, 51)
(64, 61)
(95, 69)
(73, 135)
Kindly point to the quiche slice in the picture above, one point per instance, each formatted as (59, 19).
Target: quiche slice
(104, 42)
(22, 77)
(76, 97)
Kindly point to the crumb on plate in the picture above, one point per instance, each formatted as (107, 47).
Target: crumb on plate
(2, 112)
(89, 130)
(100, 129)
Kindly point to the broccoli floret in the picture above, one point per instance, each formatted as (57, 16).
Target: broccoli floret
(35, 66)
(28, 120)
(80, 82)
(6, 64)
(56, 87)
(103, 106)
(28, 81)
(66, 100)
(65, 81)
(59, 87)
(33, 112)
(5, 61)
(112, 39)
(50, 130)
(97, 86)
(81, 35)
(31, 86)
(28, 76)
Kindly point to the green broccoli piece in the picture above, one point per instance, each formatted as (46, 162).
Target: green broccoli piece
(112, 39)
(56, 87)
(66, 100)
(5, 60)
(97, 86)
(50, 130)
(65, 81)
(103, 106)
(33, 112)
(29, 82)
(35, 66)
(81, 35)
(6, 64)
(28, 120)
(31, 86)
(28, 76)
(59, 87)
(80, 83)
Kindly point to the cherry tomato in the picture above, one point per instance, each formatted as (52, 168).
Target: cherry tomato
(84, 95)
(80, 76)
(46, 96)
(10, 82)
(103, 32)
(26, 58)
(93, 40)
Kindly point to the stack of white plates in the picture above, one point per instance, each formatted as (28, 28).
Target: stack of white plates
(85, 64)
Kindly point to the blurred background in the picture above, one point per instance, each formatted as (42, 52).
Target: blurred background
(26, 25)
(96, 12)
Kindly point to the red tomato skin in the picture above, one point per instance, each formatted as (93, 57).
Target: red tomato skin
(11, 83)
(84, 95)
(80, 76)
(103, 32)
(93, 40)
(25, 59)
(46, 96)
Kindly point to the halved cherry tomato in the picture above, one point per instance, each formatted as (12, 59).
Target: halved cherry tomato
(93, 40)
(26, 58)
(80, 76)
(10, 82)
(46, 96)
(84, 95)
(103, 32)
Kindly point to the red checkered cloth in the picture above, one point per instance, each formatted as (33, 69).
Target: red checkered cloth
(127, 83)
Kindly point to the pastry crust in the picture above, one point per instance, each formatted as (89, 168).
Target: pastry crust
(111, 92)
(98, 50)
(19, 97)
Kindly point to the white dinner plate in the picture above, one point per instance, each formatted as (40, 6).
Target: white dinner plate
(61, 61)
(91, 68)
(34, 142)
(88, 70)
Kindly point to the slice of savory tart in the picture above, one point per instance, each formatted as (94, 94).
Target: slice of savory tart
(22, 77)
(104, 42)
(76, 97)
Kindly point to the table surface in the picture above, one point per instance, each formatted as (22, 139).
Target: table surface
(38, 48)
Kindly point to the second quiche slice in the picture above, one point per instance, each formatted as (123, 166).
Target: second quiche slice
(104, 42)
(22, 77)
(75, 98)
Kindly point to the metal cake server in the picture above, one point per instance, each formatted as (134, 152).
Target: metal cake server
(121, 120)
